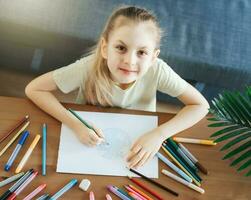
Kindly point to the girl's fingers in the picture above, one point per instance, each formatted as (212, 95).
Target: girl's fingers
(150, 157)
(134, 151)
(94, 137)
(143, 160)
(99, 132)
(136, 159)
(134, 146)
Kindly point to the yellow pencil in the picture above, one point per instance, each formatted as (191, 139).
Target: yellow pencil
(14, 138)
(27, 154)
(194, 141)
(176, 161)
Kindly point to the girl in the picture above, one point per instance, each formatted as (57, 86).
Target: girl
(124, 71)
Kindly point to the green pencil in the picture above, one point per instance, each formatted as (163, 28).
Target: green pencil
(84, 122)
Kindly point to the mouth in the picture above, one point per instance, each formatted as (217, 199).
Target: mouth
(128, 71)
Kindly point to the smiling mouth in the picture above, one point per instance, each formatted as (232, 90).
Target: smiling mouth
(128, 71)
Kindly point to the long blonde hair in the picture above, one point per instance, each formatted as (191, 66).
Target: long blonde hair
(98, 85)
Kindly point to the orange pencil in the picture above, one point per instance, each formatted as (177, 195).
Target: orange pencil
(146, 188)
(14, 128)
(140, 192)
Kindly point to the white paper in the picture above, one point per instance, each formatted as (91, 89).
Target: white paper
(120, 130)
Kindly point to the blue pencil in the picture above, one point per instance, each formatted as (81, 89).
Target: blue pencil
(16, 150)
(44, 150)
(72, 183)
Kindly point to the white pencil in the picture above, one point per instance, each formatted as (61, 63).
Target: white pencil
(11, 179)
(27, 154)
(184, 182)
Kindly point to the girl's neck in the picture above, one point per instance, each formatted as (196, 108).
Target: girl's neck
(123, 86)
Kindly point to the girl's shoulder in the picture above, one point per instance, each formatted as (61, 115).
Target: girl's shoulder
(160, 66)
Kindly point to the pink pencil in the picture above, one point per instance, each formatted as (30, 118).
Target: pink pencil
(22, 186)
(134, 192)
(35, 192)
(133, 195)
(108, 197)
(91, 195)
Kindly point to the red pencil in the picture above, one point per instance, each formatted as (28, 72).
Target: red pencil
(14, 128)
(146, 188)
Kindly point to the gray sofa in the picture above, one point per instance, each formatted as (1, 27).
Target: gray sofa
(207, 42)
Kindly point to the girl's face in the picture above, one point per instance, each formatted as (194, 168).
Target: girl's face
(130, 51)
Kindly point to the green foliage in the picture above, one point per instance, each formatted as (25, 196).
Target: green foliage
(232, 113)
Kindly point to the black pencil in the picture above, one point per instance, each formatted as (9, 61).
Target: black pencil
(155, 183)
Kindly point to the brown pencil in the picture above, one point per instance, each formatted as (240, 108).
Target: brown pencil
(14, 128)
(155, 183)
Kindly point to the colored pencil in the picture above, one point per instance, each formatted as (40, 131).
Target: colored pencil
(43, 197)
(194, 141)
(91, 196)
(14, 138)
(11, 179)
(14, 128)
(155, 183)
(140, 192)
(134, 196)
(27, 154)
(115, 191)
(35, 192)
(86, 124)
(129, 189)
(146, 188)
(16, 150)
(16, 185)
(182, 154)
(23, 185)
(184, 182)
(108, 197)
(44, 149)
(67, 187)
(179, 162)
(194, 160)
(174, 167)
(181, 166)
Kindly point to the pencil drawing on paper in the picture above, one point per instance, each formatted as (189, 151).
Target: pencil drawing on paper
(117, 142)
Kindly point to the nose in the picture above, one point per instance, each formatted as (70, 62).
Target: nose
(130, 58)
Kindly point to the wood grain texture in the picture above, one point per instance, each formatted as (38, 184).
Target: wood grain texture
(223, 182)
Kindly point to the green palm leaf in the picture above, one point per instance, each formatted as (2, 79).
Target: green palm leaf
(225, 130)
(241, 158)
(236, 140)
(231, 134)
(245, 165)
(232, 113)
(238, 150)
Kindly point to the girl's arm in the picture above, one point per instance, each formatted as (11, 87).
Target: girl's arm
(40, 91)
(196, 107)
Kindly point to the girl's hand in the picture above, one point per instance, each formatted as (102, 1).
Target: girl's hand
(88, 136)
(144, 149)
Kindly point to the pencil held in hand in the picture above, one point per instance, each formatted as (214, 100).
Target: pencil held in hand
(87, 125)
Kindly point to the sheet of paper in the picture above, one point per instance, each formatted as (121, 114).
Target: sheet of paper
(120, 131)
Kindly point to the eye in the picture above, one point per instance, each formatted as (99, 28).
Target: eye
(120, 48)
(142, 53)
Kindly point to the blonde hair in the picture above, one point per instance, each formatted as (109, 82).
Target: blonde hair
(98, 85)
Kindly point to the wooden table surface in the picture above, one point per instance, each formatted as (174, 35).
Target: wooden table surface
(223, 182)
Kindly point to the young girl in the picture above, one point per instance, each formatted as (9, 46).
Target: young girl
(124, 71)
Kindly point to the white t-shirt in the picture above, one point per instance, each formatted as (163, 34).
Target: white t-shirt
(140, 96)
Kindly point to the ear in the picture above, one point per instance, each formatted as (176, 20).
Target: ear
(155, 54)
(103, 48)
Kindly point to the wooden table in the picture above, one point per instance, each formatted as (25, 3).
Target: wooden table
(223, 182)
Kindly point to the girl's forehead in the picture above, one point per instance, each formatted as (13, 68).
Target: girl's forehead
(135, 34)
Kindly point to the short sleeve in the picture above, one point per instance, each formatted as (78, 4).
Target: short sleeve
(169, 81)
(71, 77)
